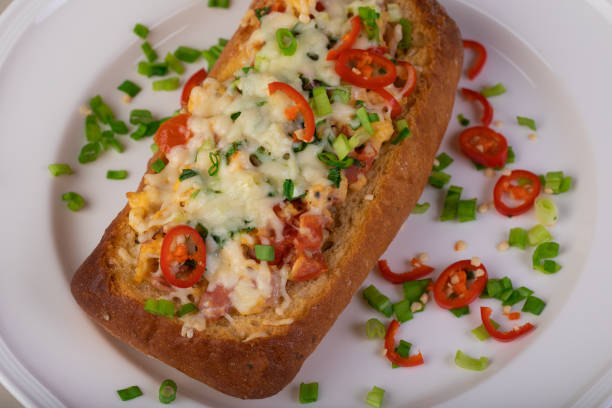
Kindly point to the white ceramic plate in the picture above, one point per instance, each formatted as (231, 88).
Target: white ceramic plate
(554, 59)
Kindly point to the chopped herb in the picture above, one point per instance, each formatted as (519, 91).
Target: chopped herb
(369, 16)
(288, 188)
(444, 160)
(116, 174)
(524, 121)
(129, 88)
(89, 153)
(187, 54)
(59, 169)
(174, 63)
(420, 208)
(140, 117)
(167, 84)
(101, 109)
(119, 127)
(463, 120)
(495, 90)
(74, 201)
(129, 393)
(214, 167)
(93, 133)
(158, 165)
(334, 176)
(141, 31)
(406, 41)
(439, 179)
(235, 115)
(148, 51)
(219, 3)
(187, 174)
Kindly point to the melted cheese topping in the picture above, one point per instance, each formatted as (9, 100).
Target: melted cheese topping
(243, 130)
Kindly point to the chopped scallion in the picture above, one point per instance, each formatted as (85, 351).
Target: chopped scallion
(534, 305)
(129, 393)
(375, 397)
(469, 363)
(140, 117)
(59, 169)
(187, 174)
(518, 238)
(466, 210)
(264, 252)
(119, 127)
(443, 160)
(93, 133)
(451, 203)
(341, 146)
(186, 309)
(378, 301)
(89, 153)
(286, 41)
(152, 69)
(161, 307)
(148, 51)
(129, 88)
(413, 290)
(288, 189)
(481, 333)
(341, 95)
(74, 201)
(495, 90)
(524, 121)
(101, 109)
(537, 235)
(369, 17)
(141, 31)
(460, 311)
(362, 115)
(321, 102)
(235, 116)
(546, 211)
(219, 3)
(167, 84)
(403, 132)
(402, 311)
(438, 179)
(309, 392)
(116, 174)
(406, 41)
(541, 258)
(420, 208)
(174, 63)
(375, 329)
(187, 54)
(167, 391)
(158, 165)
(463, 121)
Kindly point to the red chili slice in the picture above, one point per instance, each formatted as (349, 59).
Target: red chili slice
(481, 57)
(487, 114)
(418, 272)
(357, 67)
(485, 314)
(347, 40)
(195, 80)
(484, 146)
(463, 295)
(411, 78)
(394, 107)
(526, 192)
(309, 122)
(173, 132)
(412, 361)
(174, 254)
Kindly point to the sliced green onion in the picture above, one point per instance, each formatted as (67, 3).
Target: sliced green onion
(116, 174)
(219, 3)
(466, 210)
(538, 234)
(161, 307)
(395, 12)
(495, 288)
(523, 291)
(108, 140)
(167, 84)
(332, 160)
(460, 311)
(341, 95)
(553, 180)
(129, 88)
(406, 41)
(373, 117)
(403, 349)
(286, 41)
(566, 184)
(119, 127)
(101, 109)
(375, 396)
(139, 133)
(187, 54)
(451, 203)
(481, 333)
(515, 297)
(403, 132)
(321, 102)
(369, 17)
(402, 311)
(444, 160)
(420, 208)
(74, 201)
(546, 211)
(506, 282)
(264, 253)
(187, 174)
(469, 363)
(413, 290)
(463, 121)
(341, 146)
(495, 90)
(362, 115)
(309, 392)
(89, 153)
(152, 69)
(148, 51)
(167, 391)
(524, 121)
(174, 63)
(158, 165)
(141, 31)
(93, 133)
(140, 117)
(518, 238)
(59, 169)
(375, 329)
(359, 137)
(261, 63)
(186, 309)
(378, 301)
(335, 176)
(534, 305)
(438, 179)
(129, 393)
(288, 189)
(214, 167)
(154, 147)
(235, 116)
(202, 230)
(541, 258)
(260, 12)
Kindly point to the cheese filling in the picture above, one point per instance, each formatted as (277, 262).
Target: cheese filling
(245, 157)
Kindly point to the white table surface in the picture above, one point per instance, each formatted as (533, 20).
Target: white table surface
(6, 399)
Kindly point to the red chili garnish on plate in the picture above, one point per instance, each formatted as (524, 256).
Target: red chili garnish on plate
(418, 272)
(481, 57)
(365, 69)
(485, 314)
(195, 80)
(414, 360)
(173, 132)
(484, 146)
(182, 244)
(487, 114)
(347, 40)
(525, 192)
(451, 288)
(307, 134)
